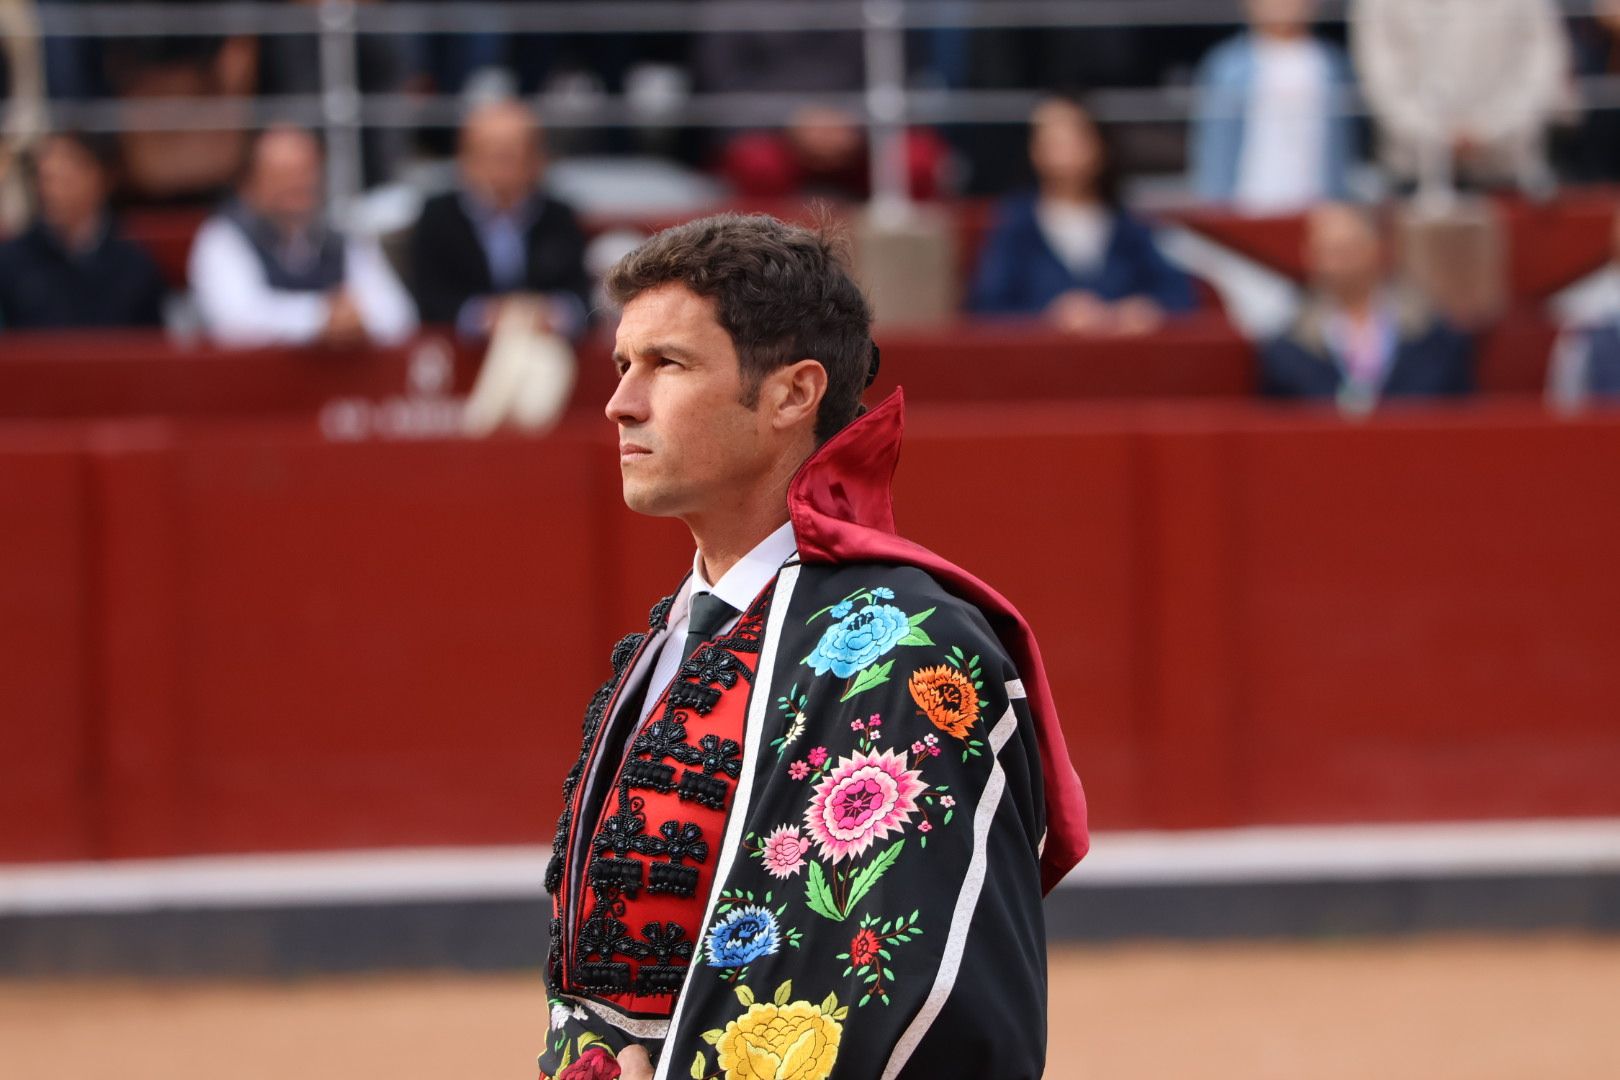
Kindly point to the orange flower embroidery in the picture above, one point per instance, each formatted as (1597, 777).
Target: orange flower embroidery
(947, 697)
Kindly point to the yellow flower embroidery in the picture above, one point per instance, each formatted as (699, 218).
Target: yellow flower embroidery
(796, 1041)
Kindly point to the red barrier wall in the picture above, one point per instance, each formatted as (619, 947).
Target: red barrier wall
(86, 375)
(236, 636)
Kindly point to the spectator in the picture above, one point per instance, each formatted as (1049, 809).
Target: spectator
(1272, 133)
(291, 64)
(1595, 150)
(22, 104)
(180, 165)
(1358, 338)
(497, 236)
(1586, 358)
(824, 152)
(1463, 90)
(268, 268)
(1069, 250)
(71, 268)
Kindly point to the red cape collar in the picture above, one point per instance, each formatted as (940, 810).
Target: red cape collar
(842, 508)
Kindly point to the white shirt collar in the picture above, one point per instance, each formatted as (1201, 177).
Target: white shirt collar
(739, 585)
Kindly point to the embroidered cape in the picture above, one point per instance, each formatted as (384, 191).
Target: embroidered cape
(866, 895)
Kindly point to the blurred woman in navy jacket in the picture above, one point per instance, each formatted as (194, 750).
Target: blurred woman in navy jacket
(1069, 250)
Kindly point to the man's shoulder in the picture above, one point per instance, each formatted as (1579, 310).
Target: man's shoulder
(219, 235)
(440, 209)
(18, 249)
(553, 215)
(928, 606)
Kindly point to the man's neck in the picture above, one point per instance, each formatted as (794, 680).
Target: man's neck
(723, 544)
(1282, 35)
(1359, 307)
(80, 236)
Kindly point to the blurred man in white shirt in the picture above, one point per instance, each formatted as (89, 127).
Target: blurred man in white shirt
(268, 269)
(1463, 89)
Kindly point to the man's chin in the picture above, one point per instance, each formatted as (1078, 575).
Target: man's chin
(650, 503)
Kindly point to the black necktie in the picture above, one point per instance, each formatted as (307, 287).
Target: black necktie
(709, 614)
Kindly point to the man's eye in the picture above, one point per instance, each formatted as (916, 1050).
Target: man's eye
(664, 361)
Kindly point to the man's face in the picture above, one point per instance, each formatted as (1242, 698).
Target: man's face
(1344, 251)
(688, 446)
(285, 182)
(500, 158)
(1281, 16)
(71, 186)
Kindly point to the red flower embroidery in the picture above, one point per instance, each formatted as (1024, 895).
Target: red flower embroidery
(864, 948)
(594, 1064)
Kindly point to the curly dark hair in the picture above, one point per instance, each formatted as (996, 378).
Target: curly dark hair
(783, 292)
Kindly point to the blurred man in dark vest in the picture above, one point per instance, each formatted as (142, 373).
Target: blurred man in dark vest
(270, 269)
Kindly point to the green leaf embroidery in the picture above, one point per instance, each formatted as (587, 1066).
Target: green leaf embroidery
(699, 1066)
(868, 678)
(712, 1036)
(829, 1003)
(918, 636)
(819, 897)
(784, 993)
(745, 995)
(868, 875)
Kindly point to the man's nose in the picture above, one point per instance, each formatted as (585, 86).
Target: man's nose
(629, 401)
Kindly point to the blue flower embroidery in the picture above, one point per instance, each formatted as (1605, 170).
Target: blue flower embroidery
(859, 639)
(743, 936)
(883, 593)
(842, 608)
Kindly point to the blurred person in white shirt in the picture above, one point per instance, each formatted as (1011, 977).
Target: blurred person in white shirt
(1463, 90)
(269, 269)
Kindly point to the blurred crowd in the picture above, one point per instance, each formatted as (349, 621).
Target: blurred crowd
(1406, 104)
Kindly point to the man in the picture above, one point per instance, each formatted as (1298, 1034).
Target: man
(1463, 89)
(818, 802)
(497, 237)
(1357, 338)
(1272, 132)
(71, 268)
(269, 270)
(1585, 360)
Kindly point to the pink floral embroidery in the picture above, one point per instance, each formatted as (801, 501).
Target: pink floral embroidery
(856, 725)
(947, 801)
(874, 721)
(924, 826)
(818, 757)
(865, 798)
(798, 770)
(783, 851)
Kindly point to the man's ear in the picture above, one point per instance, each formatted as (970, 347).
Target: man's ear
(794, 394)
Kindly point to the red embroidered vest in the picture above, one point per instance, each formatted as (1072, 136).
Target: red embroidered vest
(627, 916)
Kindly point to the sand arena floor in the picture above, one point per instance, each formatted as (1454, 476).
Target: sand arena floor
(1437, 1009)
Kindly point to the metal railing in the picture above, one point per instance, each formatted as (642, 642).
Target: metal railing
(886, 104)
